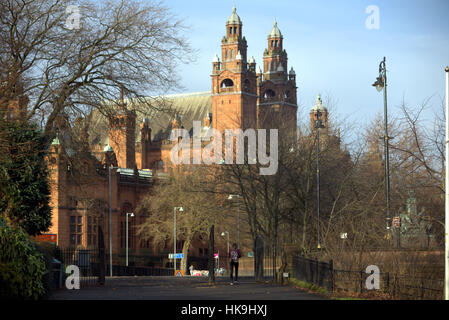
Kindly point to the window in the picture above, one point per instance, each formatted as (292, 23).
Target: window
(227, 83)
(76, 230)
(269, 94)
(230, 30)
(246, 85)
(160, 165)
(92, 227)
(232, 54)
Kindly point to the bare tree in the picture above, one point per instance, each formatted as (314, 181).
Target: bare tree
(132, 46)
(200, 210)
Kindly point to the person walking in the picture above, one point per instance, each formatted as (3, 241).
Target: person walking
(234, 256)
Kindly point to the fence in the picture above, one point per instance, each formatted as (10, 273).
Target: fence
(313, 271)
(406, 286)
(88, 262)
(120, 271)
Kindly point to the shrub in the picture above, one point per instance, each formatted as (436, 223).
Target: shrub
(22, 267)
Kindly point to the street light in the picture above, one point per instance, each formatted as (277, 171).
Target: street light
(318, 126)
(223, 234)
(131, 214)
(232, 196)
(110, 218)
(174, 233)
(381, 83)
(446, 216)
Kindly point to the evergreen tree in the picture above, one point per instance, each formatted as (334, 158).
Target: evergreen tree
(24, 186)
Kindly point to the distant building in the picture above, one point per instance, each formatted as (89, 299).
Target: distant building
(242, 96)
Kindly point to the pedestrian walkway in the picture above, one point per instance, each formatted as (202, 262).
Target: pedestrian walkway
(186, 288)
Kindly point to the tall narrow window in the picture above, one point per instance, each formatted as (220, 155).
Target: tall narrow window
(92, 227)
(76, 230)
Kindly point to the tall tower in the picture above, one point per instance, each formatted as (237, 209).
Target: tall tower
(122, 135)
(277, 103)
(323, 117)
(275, 57)
(234, 85)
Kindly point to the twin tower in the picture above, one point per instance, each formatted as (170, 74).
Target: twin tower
(245, 97)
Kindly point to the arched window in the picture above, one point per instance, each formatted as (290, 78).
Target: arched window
(160, 165)
(269, 94)
(227, 83)
(246, 85)
(232, 54)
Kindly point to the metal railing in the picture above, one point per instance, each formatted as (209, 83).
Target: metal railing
(421, 286)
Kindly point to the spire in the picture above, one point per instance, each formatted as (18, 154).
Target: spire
(56, 140)
(234, 17)
(108, 147)
(319, 104)
(275, 32)
(238, 56)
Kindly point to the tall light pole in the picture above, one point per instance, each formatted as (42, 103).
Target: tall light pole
(446, 221)
(174, 235)
(381, 84)
(110, 218)
(318, 126)
(232, 196)
(130, 214)
(223, 234)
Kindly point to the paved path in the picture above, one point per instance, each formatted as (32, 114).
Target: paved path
(187, 288)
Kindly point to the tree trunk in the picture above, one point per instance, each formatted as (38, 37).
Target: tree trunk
(185, 251)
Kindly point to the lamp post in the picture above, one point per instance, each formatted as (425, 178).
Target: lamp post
(381, 84)
(446, 222)
(318, 126)
(174, 235)
(232, 196)
(131, 214)
(223, 234)
(110, 218)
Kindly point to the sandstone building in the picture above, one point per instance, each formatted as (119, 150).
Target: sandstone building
(137, 147)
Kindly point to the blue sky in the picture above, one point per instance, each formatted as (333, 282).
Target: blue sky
(330, 48)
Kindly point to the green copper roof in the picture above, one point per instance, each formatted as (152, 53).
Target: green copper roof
(234, 17)
(319, 104)
(275, 32)
(56, 140)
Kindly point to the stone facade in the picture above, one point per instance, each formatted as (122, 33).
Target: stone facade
(241, 97)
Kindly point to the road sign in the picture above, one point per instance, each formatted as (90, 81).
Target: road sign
(177, 256)
(179, 273)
